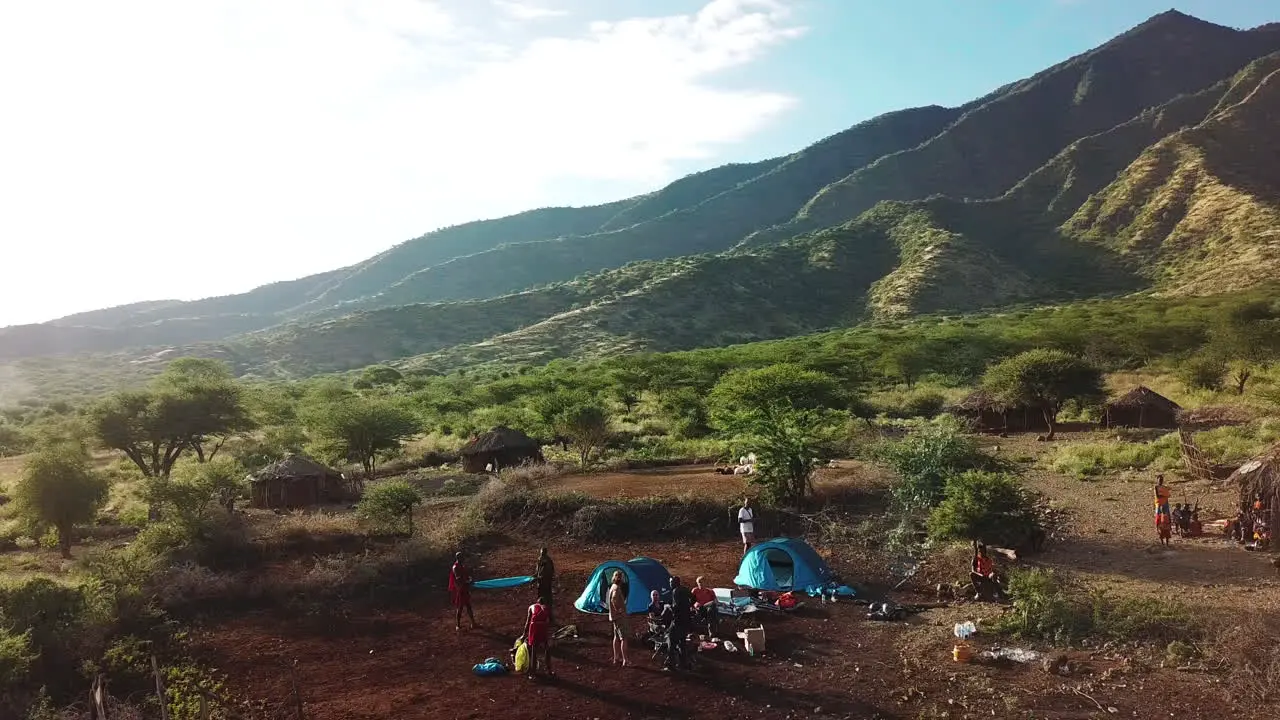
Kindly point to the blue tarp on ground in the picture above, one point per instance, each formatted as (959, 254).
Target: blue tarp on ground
(507, 582)
(642, 576)
(782, 564)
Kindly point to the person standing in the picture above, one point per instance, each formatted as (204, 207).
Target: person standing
(537, 634)
(1164, 518)
(616, 601)
(746, 524)
(460, 592)
(678, 630)
(545, 572)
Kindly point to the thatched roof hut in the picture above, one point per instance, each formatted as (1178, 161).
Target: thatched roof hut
(987, 412)
(500, 447)
(1141, 407)
(297, 481)
(1259, 479)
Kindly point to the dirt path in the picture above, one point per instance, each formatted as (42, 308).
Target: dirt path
(701, 480)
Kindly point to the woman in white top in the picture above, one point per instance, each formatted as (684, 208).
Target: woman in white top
(746, 524)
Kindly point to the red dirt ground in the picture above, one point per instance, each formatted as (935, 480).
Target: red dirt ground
(668, 481)
(822, 662)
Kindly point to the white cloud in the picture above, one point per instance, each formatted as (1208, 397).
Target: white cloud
(527, 11)
(153, 149)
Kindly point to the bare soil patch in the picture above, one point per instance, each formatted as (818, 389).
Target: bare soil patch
(404, 660)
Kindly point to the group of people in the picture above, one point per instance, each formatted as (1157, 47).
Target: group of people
(538, 617)
(1252, 526)
(1182, 518)
(674, 619)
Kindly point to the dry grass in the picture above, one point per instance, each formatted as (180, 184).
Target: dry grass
(1251, 651)
(301, 525)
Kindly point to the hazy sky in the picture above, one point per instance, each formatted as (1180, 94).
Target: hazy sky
(157, 149)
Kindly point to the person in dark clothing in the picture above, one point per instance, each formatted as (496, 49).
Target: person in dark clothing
(545, 572)
(660, 613)
(678, 630)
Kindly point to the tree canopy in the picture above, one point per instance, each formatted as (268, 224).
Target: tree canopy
(359, 429)
(59, 489)
(1044, 379)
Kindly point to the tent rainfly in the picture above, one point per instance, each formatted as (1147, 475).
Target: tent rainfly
(782, 564)
(500, 447)
(1141, 407)
(641, 576)
(297, 481)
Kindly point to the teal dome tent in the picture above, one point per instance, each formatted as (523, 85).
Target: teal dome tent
(642, 575)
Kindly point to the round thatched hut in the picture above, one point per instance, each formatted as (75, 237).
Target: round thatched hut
(1141, 407)
(987, 412)
(1259, 479)
(295, 482)
(501, 447)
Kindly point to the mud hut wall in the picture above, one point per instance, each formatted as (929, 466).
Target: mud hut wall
(505, 458)
(1140, 416)
(287, 492)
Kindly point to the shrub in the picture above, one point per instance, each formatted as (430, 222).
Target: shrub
(194, 488)
(1203, 372)
(390, 504)
(16, 657)
(1251, 649)
(926, 458)
(1042, 609)
(984, 506)
(901, 404)
(1045, 608)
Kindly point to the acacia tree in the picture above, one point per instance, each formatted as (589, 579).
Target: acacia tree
(1044, 379)
(359, 430)
(194, 405)
(216, 403)
(587, 428)
(783, 413)
(59, 490)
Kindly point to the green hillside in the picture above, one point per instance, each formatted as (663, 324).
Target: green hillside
(1199, 212)
(995, 145)
(1144, 164)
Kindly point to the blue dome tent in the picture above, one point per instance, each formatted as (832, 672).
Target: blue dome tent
(783, 564)
(642, 575)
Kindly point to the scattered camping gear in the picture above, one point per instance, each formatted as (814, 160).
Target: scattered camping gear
(642, 575)
(753, 640)
(502, 583)
(783, 564)
(520, 656)
(1017, 655)
(489, 668)
(500, 448)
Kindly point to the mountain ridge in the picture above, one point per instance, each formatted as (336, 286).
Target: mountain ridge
(1099, 143)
